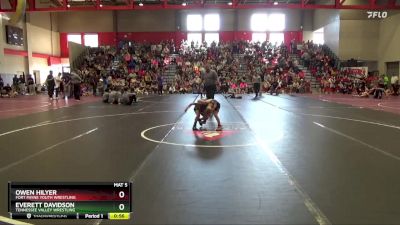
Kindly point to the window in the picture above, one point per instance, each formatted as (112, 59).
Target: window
(264, 22)
(91, 40)
(276, 38)
(211, 22)
(211, 37)
(194, 23)
(276, 22)
(259, 37)
(76, 38)
(195, 37)
(258, 22)
(318, 36)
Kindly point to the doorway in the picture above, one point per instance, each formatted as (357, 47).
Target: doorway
(392, 68)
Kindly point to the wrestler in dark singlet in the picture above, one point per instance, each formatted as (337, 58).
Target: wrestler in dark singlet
(204, 109)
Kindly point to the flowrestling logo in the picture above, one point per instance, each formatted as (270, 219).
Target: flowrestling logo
(377, 14)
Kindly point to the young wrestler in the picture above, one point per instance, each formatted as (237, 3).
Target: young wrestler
(128, 96)
(106, 95)
(204, 109)
(114, 96)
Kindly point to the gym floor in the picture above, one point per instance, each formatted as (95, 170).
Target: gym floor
(280, 159)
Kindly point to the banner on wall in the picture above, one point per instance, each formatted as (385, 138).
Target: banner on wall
(358, 72)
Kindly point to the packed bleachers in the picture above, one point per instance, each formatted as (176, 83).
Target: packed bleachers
(324, 66)
(143, 68)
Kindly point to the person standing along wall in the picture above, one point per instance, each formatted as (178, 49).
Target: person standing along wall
(21, 84)
(57, 81)
(15, 83)
(386, 81)
(1, 83)
(160, 84)
(93, 83)
(66, 78)
(50, 83)
(394, 82)
(76, 82)
(31, 85)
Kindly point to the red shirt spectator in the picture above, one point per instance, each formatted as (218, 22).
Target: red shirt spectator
(301, 74)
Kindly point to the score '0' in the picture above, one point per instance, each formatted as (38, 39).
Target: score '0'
(121, 194)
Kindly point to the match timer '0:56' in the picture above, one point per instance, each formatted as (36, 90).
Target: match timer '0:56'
(119, 216)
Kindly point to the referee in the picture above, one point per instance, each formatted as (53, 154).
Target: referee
(256, 84)
(210, 82)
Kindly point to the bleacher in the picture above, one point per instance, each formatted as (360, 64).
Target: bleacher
(308, 76)
(171, 68)
(169, 74)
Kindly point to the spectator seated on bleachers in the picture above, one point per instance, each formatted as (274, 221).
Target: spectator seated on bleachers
(138, 65)
(275, 87)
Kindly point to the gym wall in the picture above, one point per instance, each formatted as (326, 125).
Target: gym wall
(13, 59)
(41, 48)
(330, 21)
(389, 45)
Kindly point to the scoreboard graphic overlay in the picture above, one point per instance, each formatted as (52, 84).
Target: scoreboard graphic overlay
(94, 200)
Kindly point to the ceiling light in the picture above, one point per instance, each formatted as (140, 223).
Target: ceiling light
(275, 3)
(140, 4)
(229, 3)
(184, 4)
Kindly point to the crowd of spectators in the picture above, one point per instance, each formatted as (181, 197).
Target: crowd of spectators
(241, 67)
(141, 68)
(324, 67)
(138, 67)
(63, 85)
(20, 86)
